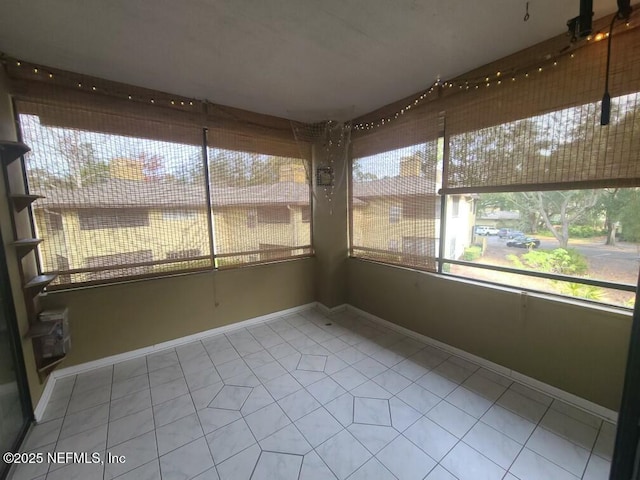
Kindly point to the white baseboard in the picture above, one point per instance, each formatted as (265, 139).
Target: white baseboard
(554, 392)
(542, 387)
(141, 352)
(38, 412)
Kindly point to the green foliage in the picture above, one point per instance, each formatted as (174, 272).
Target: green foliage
(588, 292)
(94, 172)
(630, 303)
(472, 253)
(584, 231)
(239, 169)
(560, 260)
(629, 217)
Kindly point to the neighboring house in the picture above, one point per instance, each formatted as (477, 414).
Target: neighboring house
(396, 214)
(120, 221)
(498, 218)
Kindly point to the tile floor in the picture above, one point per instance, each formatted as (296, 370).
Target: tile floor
(312, 397)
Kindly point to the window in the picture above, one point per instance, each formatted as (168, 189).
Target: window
(53, 221)
(252, 218)
(109, 194)
(125, 184)
(417, 208)
(570, 240)
(179, 215)
(100, 218)
(393, 203)
(274, 215)
(395, 213)
(306, 214)
(253, 197)
(524, 154)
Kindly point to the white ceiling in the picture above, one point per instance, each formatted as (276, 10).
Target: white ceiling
(307, 60)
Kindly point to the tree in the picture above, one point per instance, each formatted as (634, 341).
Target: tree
(41, 180)
(567, 207)
(612, 201)
(80, 158)
(629, 217)
(361, 176)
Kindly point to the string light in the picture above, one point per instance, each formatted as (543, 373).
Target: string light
(72, 80)
(462, 84)
(438, 84)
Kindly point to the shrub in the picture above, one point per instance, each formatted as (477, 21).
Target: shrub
(472, 253)
(588, 292)
(559, 260)
(584, 231)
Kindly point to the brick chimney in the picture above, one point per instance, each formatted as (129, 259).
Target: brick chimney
(293, 173)
(410, 167)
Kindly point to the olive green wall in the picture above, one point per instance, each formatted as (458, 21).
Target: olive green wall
(8, 132)
(579, 349)
(114, 319)
(330, 233)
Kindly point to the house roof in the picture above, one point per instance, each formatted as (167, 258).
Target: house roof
(394, 186)
(500, 215)
(118, 193)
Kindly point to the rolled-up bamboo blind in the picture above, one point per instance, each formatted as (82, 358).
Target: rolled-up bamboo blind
(539, 128)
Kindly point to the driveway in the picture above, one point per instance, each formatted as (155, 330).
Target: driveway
(619, 263)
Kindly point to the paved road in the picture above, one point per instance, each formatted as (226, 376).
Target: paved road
(618, 263)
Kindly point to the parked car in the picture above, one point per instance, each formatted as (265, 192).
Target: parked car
(524, 242)
(509, 233)
(486, 230)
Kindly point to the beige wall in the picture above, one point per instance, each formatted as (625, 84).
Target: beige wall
(8, 132)
(578, 349)
(114, 319)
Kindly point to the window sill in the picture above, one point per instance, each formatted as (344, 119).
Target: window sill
(125, 281)
(583, 303)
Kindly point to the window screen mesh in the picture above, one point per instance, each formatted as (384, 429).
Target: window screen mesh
(115, 205)
(393, 206)
(537, 126)
(553, 150)
(260, 201)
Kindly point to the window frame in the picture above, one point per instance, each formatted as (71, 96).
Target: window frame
(175, 214)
